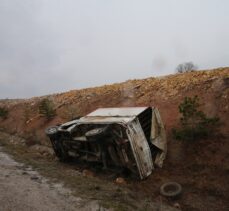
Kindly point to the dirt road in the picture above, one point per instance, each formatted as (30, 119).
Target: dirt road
(22, 189)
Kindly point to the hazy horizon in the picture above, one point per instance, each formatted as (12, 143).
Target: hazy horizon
(54, 46)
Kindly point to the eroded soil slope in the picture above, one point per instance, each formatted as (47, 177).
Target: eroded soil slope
(163, 92)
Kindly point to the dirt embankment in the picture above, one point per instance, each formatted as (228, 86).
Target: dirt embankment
(201, 167)
(163, 92)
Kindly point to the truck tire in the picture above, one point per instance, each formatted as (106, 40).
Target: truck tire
(171, 189)
(96, 133)
(52, 132)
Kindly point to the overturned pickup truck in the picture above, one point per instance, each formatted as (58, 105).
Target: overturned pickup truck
(132, 138)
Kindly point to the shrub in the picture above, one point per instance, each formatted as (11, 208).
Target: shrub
(46, 108)
(194, 122)
(4, 112)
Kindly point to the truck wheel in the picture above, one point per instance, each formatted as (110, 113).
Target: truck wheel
(51, 132)
(94, 134)
(171, 189)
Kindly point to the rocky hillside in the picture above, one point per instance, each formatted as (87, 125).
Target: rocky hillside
(166, 93)
(201, 166)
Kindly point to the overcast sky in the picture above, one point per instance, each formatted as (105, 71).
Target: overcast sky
(49, 46)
